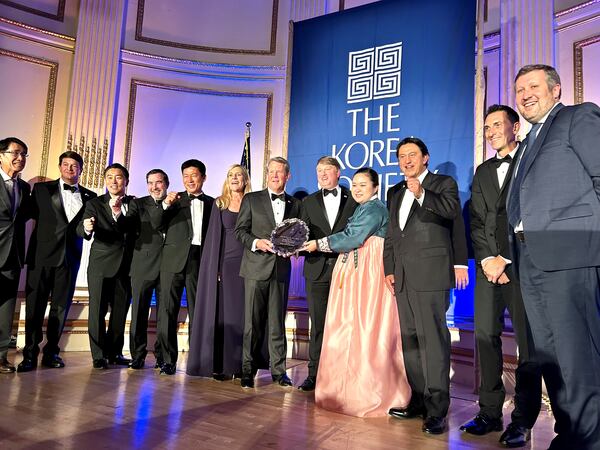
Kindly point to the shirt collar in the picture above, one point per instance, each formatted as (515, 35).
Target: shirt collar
(5, 176)
(423, 175)
(271, 192)
(511, 153)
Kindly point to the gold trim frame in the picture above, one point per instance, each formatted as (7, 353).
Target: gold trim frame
(60, 10)
(578, 65)
(132, 103)
(141, 38)
(47, 132)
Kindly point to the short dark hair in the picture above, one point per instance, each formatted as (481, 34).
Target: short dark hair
(280, 160)
(330, 160)
(413, 140)
(161, 172)
(117, 166)
(370, 173)
(5, 143)
(73, 155)
(194, 163)
(552, 77)
(510, 113)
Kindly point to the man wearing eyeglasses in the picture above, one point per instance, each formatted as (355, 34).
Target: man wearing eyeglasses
(14, 212)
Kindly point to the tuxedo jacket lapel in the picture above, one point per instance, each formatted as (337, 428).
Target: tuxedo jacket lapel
(55, 197)
(4, 197)
(266, 205)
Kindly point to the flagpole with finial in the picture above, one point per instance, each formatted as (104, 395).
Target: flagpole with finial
(245, 163)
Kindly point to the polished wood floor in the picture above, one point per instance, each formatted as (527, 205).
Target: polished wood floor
(81, 408)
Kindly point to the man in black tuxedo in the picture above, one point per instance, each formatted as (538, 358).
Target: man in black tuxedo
(105, 219)
(14, 212)
(266, 275)
(493, 293)
(418, 261)
(325, 212)
(553, 210)
(185, 220)
(145, 266)
(53, 259)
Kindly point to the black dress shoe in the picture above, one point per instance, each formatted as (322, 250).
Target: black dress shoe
(409, 412)
(27, 365)
(434, 425)
(6, 367)
(137, 363)
(515, 436)
(308, 385)
(247, 381)
(119, 360)
(101, 364)
(167, 369)
(159, 363)
(283, 380)
(53, 362)
(481, 425)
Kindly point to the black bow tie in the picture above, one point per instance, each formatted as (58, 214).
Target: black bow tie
(326, 192)
(196, 197)
(66, 187)
(280, 197)
(506, 159)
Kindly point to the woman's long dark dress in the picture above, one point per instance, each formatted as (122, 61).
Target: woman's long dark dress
(216, 341)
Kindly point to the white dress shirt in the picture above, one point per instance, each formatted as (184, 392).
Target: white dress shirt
(408, 200)
(332, 205)
(71, 201)
(197, 212)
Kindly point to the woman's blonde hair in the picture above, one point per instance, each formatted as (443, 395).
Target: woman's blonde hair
(223, 201)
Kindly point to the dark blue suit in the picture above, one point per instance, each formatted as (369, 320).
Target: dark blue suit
(559, 200)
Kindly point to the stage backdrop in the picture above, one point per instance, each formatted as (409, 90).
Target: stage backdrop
(365, 78)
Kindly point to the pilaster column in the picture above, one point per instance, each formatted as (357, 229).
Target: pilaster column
(527, 37)
(94, 85)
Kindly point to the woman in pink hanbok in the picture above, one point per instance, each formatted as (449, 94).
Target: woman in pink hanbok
(361, 370)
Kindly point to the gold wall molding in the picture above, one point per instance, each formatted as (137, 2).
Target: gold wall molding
(135, 83)
(94, 160)
(50, 96)
(139, 36)
(575, 8)
(578, 65)
(35, 29)
(59, 15)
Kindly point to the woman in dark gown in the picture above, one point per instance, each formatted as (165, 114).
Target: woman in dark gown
(216, 341)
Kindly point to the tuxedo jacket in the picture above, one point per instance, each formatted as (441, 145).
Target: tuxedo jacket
(315, 216)
(112, 247)
(12, 226)
(177, 223)
(489, 223)
(147, 217)
(54, 239)
(560, 192)
(422, 254)
(256, 221)
(459, 237)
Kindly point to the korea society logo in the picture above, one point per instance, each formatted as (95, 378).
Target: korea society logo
(374, 73)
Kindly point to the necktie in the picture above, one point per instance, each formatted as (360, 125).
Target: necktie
(514, 202)
(333, 192)
(73, 189)
(280, 197)
(498, 161)
(195, 197)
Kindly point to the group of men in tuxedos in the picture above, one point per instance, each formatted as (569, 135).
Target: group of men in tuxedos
(143, 246)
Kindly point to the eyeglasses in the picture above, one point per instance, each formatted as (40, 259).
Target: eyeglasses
(16, 154)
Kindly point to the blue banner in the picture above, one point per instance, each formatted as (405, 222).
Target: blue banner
(364, 78)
